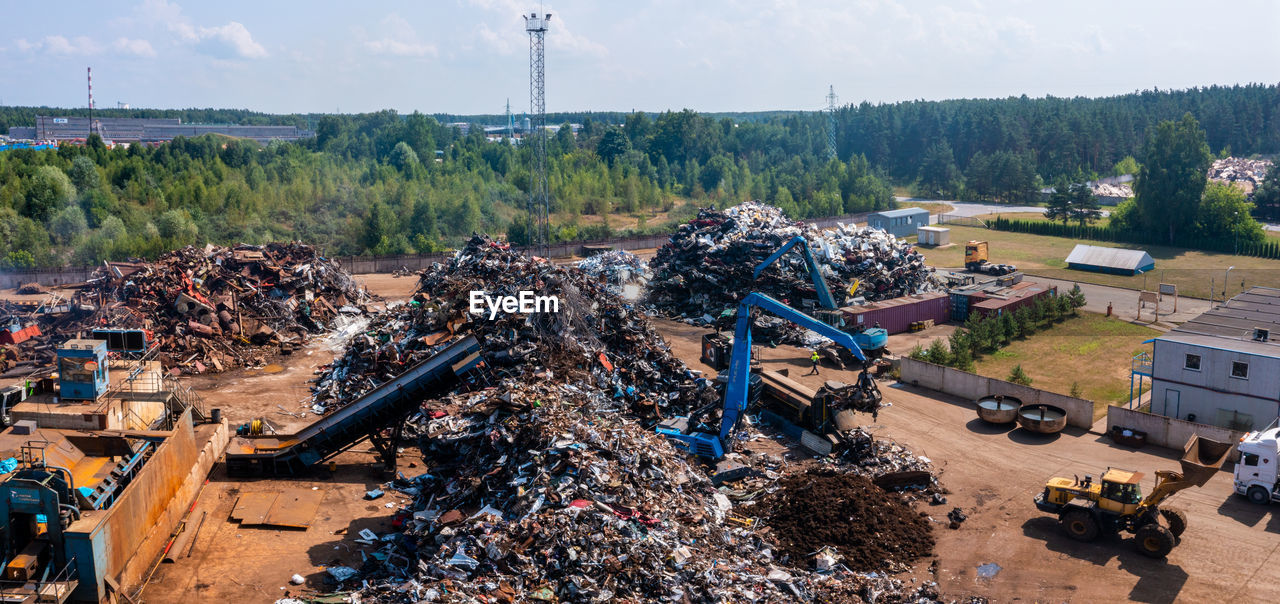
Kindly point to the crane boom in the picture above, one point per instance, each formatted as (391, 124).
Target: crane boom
(819, 282)
(735, 401)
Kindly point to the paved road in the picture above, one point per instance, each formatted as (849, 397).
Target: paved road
(963, 208)
(1124, 302)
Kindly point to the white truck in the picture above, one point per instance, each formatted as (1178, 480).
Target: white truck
(1256, 476)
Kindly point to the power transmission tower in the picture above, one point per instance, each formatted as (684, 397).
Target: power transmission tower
(539, 198)
(831, 122)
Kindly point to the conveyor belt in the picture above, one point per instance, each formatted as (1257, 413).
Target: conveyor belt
(383, 407)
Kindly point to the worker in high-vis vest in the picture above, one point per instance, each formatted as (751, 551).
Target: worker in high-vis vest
(814, 358)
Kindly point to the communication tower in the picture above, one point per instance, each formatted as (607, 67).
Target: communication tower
(539, 199)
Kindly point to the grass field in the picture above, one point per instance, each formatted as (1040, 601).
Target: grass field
(1192, 271)
(934, 207)
(1091, 350)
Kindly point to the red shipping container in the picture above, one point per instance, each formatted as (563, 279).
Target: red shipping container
(1018, 296)
(897, 315)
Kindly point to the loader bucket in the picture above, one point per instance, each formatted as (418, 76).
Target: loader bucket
(1202, 457)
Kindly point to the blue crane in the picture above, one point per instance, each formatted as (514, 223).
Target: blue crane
(815, 271)
(870, 339)
(682, 430)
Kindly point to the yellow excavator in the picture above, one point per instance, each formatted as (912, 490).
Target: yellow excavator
(1086, 509)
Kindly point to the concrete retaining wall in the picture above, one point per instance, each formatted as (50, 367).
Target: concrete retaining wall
(971, 386)
(1167, 431)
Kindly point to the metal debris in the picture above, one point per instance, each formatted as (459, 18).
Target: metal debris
(707, 266)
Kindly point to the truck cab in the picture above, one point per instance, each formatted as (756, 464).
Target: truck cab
(1255, 475)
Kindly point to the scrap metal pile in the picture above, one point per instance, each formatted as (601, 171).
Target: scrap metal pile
(213, 308)
(625, 275)
(592, 337)
(707, 266)
(543, 492)
(550, 484)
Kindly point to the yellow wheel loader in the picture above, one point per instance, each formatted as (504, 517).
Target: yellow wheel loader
(1086, 509)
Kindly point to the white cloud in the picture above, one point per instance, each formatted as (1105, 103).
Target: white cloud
(60, 45)
(229, 41)
(137, 48)
(398, 38)
(504, 45)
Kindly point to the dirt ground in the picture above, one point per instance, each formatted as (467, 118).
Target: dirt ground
(1228, 554)
(389, 286)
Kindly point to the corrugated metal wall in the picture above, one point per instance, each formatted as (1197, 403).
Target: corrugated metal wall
(897, 315)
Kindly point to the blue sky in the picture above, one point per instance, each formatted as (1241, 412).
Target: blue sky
(469, 56)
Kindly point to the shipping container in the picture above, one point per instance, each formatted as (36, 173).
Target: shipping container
(1012, 298)
(896, 315)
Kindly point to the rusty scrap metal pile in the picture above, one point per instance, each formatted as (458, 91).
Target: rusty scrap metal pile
(213, 308)
(707, 266)
(592, 337)
(550, 484)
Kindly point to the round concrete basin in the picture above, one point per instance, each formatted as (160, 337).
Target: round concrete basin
(998, 409)
(1045, 419)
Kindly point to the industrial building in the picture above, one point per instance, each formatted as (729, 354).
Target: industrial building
(1112, 260)
(933, 236)
(899, 223)
(146, 130)
(104, 458)
(1223, 367)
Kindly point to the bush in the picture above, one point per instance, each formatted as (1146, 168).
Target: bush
(1018, 376)
(938, 353)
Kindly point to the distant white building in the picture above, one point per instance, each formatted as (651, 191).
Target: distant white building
(1223, 367)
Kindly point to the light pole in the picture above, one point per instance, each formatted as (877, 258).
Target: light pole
(1224, 284)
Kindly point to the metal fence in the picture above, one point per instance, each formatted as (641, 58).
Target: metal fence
(961, 220)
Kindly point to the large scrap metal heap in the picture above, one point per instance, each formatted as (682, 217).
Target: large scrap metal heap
(207, 309)
(217, 307)
(550, 484)
(707, 266)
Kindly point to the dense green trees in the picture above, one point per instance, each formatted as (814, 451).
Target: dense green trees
(388, 183)
(1175, 161)
(1073, 202)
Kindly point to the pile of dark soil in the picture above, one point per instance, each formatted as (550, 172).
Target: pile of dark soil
(872, 529)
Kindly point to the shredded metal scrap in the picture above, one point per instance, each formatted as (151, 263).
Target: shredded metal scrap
(707, 266)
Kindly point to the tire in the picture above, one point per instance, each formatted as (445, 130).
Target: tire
(1154, 541)
(1176, 519)
(1259, 495)
(1079, 525)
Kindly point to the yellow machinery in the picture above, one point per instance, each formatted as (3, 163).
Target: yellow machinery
(1115, 503)
(977, 260)
(975, 254)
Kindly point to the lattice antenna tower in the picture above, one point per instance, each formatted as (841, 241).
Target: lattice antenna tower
(89, 73)
(831, 122)
(539, 198)
(511, 123)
